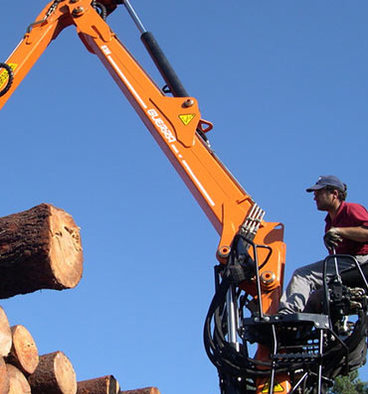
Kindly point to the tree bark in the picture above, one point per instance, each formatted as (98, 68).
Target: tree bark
(39, 249)
(4, 378)
(54, 375)
(24, 353)
(5, 334)
(104, 385)
(146, 390)
(18, 382)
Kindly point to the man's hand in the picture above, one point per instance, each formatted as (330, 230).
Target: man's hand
(332, 238)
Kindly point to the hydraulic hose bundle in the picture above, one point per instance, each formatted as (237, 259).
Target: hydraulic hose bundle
(317, 346)
(237, 369)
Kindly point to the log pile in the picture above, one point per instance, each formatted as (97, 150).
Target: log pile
(41, 249)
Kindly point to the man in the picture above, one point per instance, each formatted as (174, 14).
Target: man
(346, 232)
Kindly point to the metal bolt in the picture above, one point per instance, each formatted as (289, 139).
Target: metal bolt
(224, 251)
(78, 11)
(268, 277)
(188, 103)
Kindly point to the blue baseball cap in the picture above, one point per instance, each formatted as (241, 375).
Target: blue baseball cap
(327, 180)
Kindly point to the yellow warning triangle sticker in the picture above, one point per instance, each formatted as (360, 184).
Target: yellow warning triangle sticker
(187, 118)
(277, 388)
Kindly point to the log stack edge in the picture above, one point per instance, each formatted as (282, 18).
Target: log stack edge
(41, 249)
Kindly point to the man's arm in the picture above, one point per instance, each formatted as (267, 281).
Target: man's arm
(358, 234)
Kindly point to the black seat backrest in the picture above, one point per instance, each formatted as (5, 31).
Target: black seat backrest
(352, 278)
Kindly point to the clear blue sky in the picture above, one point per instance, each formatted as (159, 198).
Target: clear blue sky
(285, 84)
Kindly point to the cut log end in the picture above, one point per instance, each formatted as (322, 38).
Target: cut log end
(66, 376)
(5, 334)
(65, 253)
(17, 381)
(39, 249)
(24, 353)
(4, 378)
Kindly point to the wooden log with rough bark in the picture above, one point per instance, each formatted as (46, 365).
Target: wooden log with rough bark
(146, 390)
(5, 334)
(104, 385)
(39, 249)
(24, 353)
(4, 378)
(54, 375)
(18, 383)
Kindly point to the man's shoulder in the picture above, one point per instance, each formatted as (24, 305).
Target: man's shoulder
(352, 208)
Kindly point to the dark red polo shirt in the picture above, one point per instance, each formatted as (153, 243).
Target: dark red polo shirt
(349, 215)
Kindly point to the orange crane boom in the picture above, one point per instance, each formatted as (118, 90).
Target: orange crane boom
(174, 120)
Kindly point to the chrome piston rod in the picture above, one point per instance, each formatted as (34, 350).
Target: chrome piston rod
(134, 16)
(232, 318)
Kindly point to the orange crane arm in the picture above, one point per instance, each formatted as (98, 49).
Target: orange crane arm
(174, 122)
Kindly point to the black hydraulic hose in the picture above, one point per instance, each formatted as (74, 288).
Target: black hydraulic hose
(10, 77)
(217, 349)
(217, 300)
(163, 65)
(100, 8)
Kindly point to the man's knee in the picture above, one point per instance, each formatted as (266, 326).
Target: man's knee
(309, 271)
(315, 302)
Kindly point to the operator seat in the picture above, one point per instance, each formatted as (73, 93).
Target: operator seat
(351, 277)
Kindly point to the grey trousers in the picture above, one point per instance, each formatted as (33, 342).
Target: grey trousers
(308, 279)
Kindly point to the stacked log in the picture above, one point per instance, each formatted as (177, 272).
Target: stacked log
(54, 375)
(19, 355)
(4, 378)
(18, 383)
(5, 334)
(24, 352)
(23, 371)
(147, 390)
(109, 385)
(104, 385)
(41, 249)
